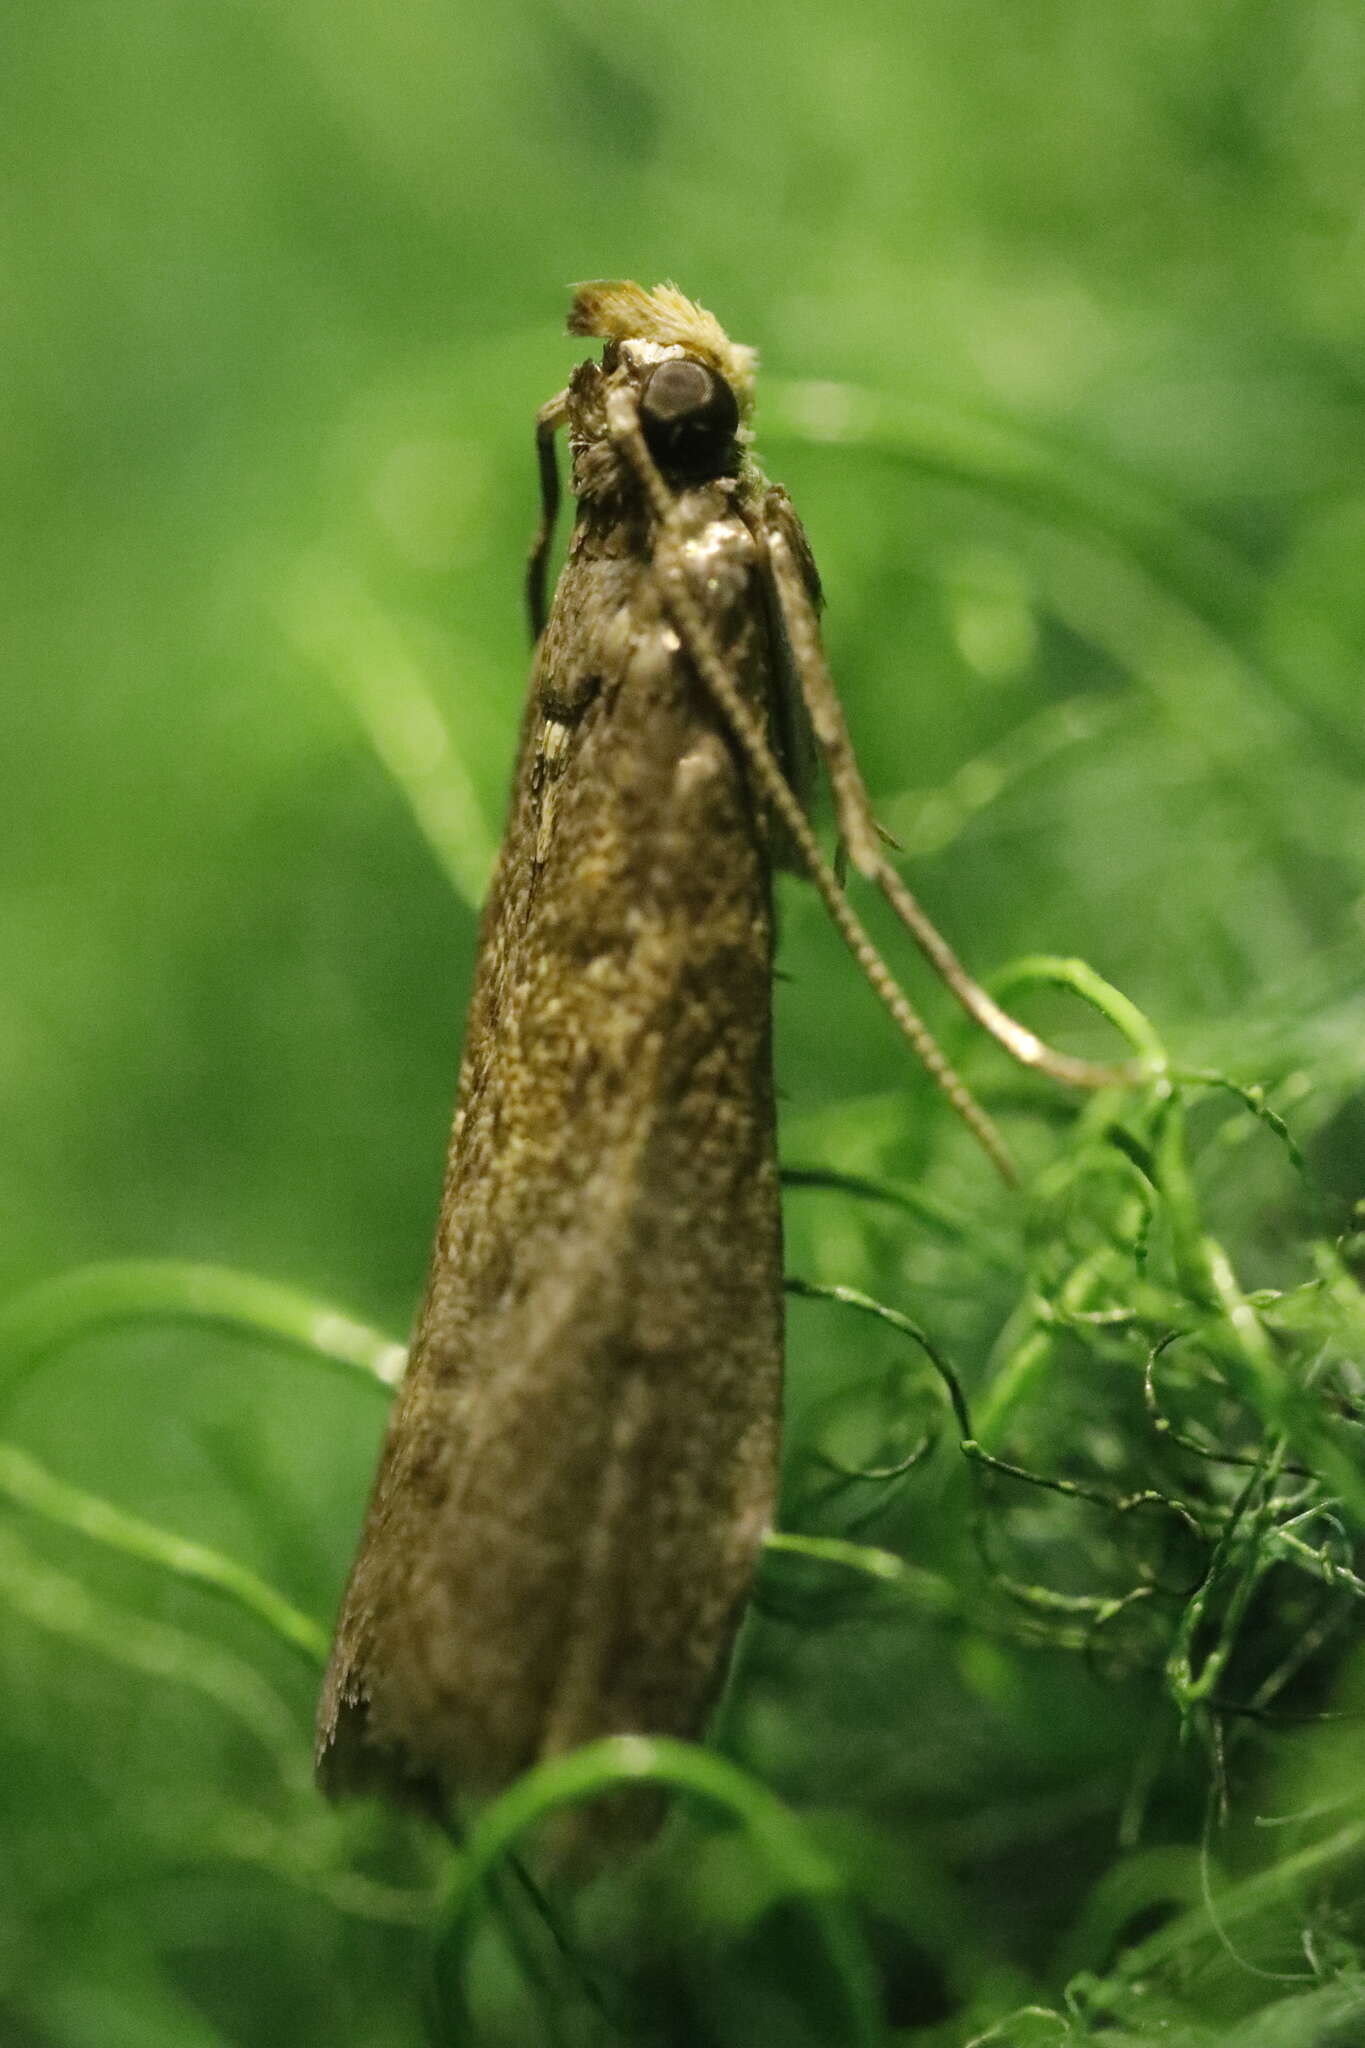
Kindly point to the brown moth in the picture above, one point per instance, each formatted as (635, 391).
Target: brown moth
(582, 1459)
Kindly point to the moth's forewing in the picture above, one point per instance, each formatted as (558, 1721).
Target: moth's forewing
(582, 1458)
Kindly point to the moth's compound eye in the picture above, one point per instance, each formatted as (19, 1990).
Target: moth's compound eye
(689, 415)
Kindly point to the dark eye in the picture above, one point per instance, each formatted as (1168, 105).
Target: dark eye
(689, 416)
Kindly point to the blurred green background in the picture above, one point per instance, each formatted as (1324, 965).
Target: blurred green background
(1060, 312)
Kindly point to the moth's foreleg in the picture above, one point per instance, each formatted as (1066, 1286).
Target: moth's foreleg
(863, 837)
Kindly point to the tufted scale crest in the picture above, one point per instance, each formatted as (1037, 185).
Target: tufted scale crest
(619, 310)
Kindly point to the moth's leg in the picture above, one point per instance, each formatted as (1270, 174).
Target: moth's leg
(549, 420)
(860, 833)
(852, 805)
(789, 725)
(669, 563)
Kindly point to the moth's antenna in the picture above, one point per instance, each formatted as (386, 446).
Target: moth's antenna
(624, 427)
(549, 420)
(859, 832)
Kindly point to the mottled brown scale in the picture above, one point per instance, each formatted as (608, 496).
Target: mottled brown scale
(581, 1461)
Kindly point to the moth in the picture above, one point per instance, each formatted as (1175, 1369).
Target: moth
(582, 1459)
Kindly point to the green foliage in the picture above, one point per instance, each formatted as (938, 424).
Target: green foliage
(1045, 1727)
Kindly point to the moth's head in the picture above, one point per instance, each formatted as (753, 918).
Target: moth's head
(692, 386)
(689, 416)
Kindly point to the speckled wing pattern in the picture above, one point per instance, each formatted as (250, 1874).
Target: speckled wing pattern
(581, 1462)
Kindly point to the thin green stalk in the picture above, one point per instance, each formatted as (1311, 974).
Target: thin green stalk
(31, 1486)
(45, 1319)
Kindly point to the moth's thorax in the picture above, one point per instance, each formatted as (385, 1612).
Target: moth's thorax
(611, 558)
(608, 623)
(716, 543)
(719, 554)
